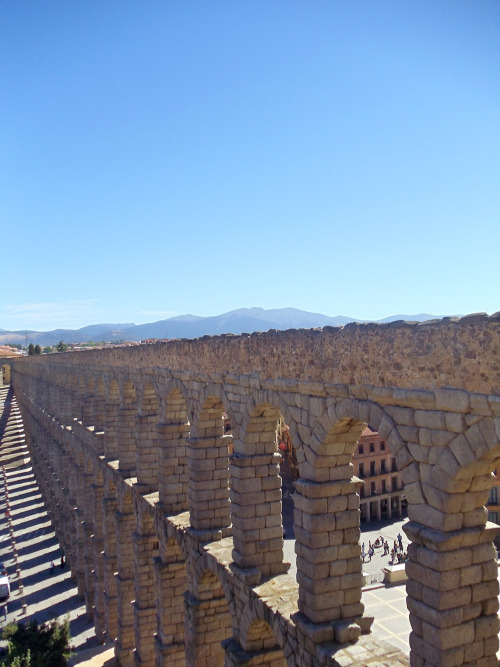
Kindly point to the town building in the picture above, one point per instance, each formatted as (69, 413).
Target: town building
(382, 495)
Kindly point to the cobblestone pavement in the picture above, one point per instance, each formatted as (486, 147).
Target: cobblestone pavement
(28, 544)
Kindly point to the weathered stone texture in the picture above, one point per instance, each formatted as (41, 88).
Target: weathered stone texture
(173, 529)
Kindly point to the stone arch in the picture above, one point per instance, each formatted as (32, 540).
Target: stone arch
(210, 612)
(256, 635)
(458, 481)
(263, 409)
(173, 431)
(208, 465)
(99, 405)
(256, 488)
(175, 390)
(112, 389)
(328, 512)
(111, 405)
(147, 459)
(126, 431)
(147, 398)
(207, 569)
(207, 420)
(128, 393)
(452, 559)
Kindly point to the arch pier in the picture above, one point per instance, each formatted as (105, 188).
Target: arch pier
(172, 525)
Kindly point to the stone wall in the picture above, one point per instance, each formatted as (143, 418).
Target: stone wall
(174, 529)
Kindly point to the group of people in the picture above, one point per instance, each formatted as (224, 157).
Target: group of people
(397, 553)
(62, 565)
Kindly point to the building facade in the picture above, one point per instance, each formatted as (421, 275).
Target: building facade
(382, 495)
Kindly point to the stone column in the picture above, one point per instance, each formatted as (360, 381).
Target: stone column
(99, 414)
(173, 479)
(111, 430)
(98, 548)
(76, 406)
(65, 415)
(329, 569)
(110, 563)
(256, 513)
(125, 524)
(127, 440)
(379, 510)
(208, 486)
(452, 595)
(72, 551)
(171, 584)
(87, 410)
(78, 560)
(147, 453)
(145, 550)
(88, 529)
(206, 627)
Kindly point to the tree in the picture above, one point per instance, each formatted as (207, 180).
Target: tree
(61, 346)
(38, 645)
(47, 350)
(31, 349)
(38, 349)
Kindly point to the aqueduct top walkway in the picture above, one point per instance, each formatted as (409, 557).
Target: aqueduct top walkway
(155, 505)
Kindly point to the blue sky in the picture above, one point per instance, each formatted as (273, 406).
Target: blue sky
(162, 158)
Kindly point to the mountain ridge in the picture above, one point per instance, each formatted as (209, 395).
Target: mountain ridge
(241, 320)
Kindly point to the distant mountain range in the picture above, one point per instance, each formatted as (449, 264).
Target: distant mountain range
(243, 320)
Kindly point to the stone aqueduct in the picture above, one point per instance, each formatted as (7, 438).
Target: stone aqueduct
(177, 543)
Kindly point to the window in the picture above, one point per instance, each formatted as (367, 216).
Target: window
(372, 468)
(393, 465)
(383, 466)
(382, 446)
(361, 470)
(493, 497)
(360, 449)
(373, 488)
(362, 491)
(394, 483)
(372, 447)
(493, 516)
(383, 486)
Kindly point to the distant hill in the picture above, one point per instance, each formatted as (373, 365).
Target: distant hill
(93, 332)
(242, 320)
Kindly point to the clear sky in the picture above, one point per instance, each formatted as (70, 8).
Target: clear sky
(168, 157)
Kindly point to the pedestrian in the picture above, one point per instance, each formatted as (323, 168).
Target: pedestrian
(62, 562)
(4, 611)
(400, 540)
(363, 553)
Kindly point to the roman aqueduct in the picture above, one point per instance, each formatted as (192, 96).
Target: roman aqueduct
(173, 529)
